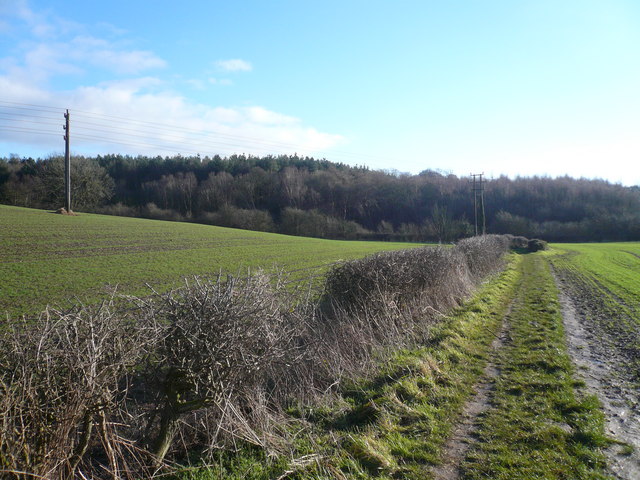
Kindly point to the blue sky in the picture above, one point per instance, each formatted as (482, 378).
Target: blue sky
(501, 87)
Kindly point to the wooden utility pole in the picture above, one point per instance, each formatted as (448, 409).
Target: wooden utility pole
(484, 223)
(67, 164)
(478, 191)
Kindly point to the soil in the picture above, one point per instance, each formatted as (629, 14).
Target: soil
(461, 439)
(604, 367)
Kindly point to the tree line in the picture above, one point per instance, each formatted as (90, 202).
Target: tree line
(305, 196)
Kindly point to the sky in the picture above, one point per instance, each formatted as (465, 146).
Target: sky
(517, 88)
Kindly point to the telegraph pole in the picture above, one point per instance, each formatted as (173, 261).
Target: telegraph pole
(478, 191)
(67, 163)
(484, 222)
(475, 205)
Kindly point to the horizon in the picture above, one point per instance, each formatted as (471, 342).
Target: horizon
(526, 89)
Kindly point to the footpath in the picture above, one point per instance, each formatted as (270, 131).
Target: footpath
(529, 417)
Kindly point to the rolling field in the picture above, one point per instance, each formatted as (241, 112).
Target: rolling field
(603, 280)
(47, 258)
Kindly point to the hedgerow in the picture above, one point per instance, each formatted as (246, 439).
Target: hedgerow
(125, 388)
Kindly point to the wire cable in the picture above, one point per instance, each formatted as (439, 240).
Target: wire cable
(30, 106)
(30, 131)
(172, 137)
(169, 127)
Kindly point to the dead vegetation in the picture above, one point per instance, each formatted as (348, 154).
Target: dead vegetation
(64, 211)
(64, 379)
(122, 389)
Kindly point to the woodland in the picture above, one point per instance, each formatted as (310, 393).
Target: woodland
(304, 196)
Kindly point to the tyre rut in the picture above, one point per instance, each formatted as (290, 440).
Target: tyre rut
(461, 438)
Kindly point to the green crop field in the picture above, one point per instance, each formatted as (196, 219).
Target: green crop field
(612, 270)
(47, 258)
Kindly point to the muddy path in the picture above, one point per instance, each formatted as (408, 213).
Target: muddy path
(605, 368)
(603, 361)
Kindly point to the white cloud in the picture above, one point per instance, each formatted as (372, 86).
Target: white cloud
(199, 128)
(43, 25)
(156, 119)
(266, 117)
(42, 61)
(111, 29)
(234, 65)
(220, 81)
(195, 83)
(50, 46)
(128, 62)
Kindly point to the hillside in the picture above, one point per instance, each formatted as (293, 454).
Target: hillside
(47, 258)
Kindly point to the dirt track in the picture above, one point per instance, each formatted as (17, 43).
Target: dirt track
(603, 365)
(603, 361)
(462, 437)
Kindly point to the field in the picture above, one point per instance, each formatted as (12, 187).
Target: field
(535, 375)
(47, 258)
(603, 282)
(611, 271)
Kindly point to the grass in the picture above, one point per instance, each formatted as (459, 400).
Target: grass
(540, 425)
(47, 258)
(419, 393)
(393, 423)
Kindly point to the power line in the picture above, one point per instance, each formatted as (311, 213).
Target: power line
(155, 125)
(133, 144)
(172, 137)
(29, 121)
(173, 128)
(29, 130)
(178, 137)
(30, 106)
(26, 115)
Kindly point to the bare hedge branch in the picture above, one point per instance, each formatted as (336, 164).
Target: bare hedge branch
(121, 389)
